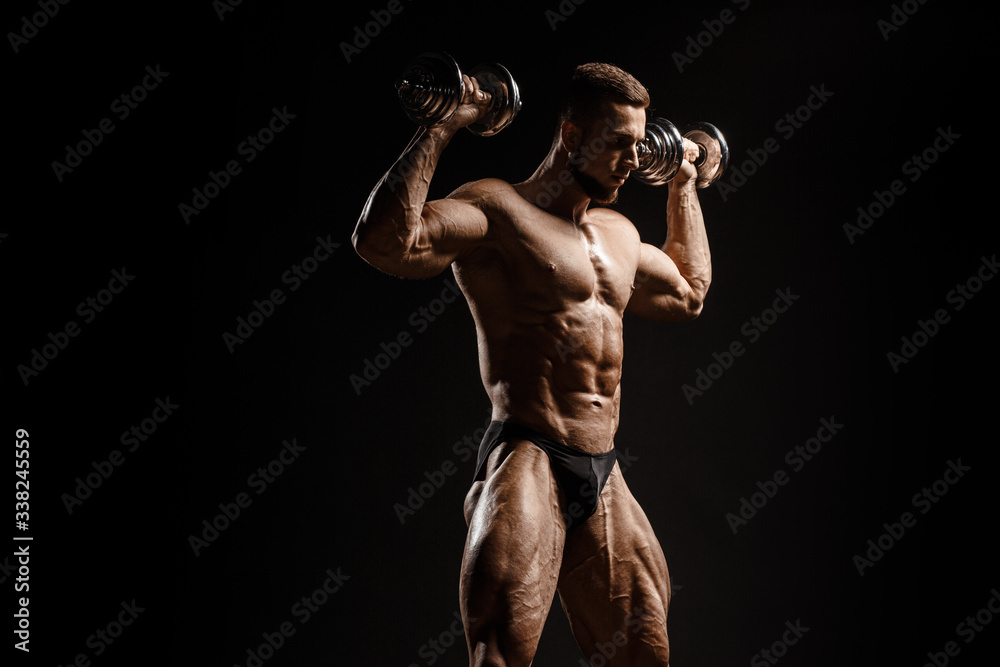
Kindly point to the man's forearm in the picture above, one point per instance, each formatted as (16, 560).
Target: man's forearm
(392, 213)
(687, 239)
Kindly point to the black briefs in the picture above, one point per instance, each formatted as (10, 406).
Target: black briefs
(580, 475)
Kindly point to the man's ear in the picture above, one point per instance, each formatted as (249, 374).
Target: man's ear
(571, 136)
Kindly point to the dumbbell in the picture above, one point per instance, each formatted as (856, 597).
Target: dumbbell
(661, 153)
(431, 89)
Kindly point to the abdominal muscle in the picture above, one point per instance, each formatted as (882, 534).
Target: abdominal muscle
(558, 373)
(548, 296)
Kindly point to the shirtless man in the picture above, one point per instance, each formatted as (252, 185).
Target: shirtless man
(548, 279)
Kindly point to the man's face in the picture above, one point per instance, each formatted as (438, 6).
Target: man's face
(607, 150)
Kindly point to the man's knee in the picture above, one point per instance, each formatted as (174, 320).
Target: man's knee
(494, 646)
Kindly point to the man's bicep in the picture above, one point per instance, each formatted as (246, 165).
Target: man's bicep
(449, 228)
(661, 292)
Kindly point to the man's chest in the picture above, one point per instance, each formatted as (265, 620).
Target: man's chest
(554, 260)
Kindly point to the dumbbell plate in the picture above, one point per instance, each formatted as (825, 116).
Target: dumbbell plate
(430, 88)
(506, 98)
(660, 153)
(715, 152)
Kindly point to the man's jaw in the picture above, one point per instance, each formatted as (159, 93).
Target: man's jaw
(595, 189)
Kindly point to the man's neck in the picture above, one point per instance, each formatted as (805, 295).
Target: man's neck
(553, 188)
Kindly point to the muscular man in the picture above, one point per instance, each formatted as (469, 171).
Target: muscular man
(548, 278)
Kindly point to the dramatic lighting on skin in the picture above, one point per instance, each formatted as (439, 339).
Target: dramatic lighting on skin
(591, 186)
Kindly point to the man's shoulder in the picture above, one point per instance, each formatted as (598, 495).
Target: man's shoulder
(612, 219)
(483, 189)
(498, 200)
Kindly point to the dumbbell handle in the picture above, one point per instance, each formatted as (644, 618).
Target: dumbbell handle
(713, 152)
(702, 154)
(701, 151)
(405, 85)
(433, 88)
(664, 150)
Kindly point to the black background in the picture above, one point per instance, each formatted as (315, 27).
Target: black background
(365, 449)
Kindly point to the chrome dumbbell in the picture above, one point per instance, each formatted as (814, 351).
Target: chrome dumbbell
(431, 89)
(661, 153)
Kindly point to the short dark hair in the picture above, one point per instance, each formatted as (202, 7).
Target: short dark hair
(592, 84)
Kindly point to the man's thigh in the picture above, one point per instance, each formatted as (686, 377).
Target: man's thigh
(512, 555)
(614, 585)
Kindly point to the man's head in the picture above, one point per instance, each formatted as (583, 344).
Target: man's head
(594, 83)
(601, 121)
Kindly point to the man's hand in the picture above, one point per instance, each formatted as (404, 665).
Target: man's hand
(687, 174)
(475, 103)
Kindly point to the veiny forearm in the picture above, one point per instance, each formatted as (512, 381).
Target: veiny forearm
(687, 239)
(391, 216)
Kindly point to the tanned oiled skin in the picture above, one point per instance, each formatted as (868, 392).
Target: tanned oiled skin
(548, 280)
